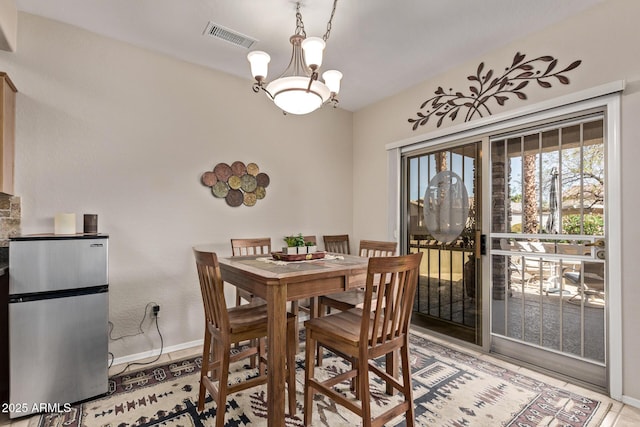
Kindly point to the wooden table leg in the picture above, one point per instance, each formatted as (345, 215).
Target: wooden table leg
(313, 307)
(277, 347)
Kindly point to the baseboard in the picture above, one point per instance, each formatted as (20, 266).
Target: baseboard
(156, 352)
(631, 401)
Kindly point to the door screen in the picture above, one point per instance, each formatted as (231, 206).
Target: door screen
(548, 258)
(442, 205)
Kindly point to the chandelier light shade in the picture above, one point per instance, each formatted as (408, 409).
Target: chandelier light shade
(313, 48)
(259, 64)
(298, 90)
(332, 80)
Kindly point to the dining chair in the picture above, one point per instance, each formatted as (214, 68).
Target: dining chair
(253, 246)
(380, 328)
(226, 326)
(354, 297)
(337, 244)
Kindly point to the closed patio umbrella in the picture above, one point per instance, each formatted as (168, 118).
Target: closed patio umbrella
(553, 220)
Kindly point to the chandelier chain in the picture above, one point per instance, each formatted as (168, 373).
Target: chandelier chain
(300, 24)
(333, 12)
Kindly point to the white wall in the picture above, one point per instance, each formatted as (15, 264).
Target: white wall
(107, 128)
(605, 38)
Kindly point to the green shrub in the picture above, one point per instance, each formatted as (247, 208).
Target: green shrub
(593, 224)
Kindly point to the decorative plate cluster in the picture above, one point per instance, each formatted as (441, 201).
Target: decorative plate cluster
(237, 184)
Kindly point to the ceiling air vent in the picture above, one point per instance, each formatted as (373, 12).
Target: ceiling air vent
(228, 35)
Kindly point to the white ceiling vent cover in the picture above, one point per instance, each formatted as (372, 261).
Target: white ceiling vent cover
(229, 35)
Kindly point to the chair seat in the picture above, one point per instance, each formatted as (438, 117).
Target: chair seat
(344, 300)
(344, 326)
(250, 317)
(340, 328)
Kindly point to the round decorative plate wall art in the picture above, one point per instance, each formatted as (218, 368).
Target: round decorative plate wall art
(237, 184)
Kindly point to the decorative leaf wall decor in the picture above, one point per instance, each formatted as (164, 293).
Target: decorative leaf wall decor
(237, 184)
(486, 87)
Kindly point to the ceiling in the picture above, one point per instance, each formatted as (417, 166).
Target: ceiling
(381, 46)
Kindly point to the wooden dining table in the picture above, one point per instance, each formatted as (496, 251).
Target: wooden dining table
(278, 283)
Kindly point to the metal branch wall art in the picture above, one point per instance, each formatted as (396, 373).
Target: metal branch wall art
(237, 184)
(485, 88)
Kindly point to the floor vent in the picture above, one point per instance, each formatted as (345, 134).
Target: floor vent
(228, 35)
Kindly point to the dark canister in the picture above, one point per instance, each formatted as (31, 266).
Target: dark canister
(91, 223)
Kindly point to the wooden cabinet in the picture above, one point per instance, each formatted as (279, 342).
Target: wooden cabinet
(7, 132)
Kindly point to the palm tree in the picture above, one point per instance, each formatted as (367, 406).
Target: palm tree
(530, 203)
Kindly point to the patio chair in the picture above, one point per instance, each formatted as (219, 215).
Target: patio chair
(590, 281)
(379, 329)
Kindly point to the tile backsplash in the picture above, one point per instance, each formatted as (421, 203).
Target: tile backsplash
(9, 218)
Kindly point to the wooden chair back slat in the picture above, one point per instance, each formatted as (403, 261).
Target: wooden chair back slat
(254, 246)
(212, 289)
(376, 248)
(387, 308)
(337, 244)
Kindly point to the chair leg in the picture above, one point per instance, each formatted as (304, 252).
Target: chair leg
(319, 355)
(363, 387)
(355, 387)
(406, 382)
(322, 310)
(204, 370)
(221, 403)
(262, 354)
(308, 375)
(291, 364)
(295, 310)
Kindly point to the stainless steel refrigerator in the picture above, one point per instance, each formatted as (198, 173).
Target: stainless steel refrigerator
(58, 321)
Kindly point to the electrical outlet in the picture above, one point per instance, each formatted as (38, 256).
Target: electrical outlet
(156, 309)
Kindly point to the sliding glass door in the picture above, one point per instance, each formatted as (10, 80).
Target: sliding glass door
(442, 208)
(548, 248)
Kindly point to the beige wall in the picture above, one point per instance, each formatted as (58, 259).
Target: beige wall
(8, 25)
(605, 38)
(108, 128)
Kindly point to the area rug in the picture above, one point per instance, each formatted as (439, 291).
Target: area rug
(451, 389)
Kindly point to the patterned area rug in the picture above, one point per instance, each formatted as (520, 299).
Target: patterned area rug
(451, 389)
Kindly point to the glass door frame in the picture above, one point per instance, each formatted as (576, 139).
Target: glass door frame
(606, 97)
(466, 333)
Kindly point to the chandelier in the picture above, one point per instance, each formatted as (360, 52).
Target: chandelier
(298, 90)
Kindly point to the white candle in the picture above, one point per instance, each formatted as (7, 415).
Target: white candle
(65, 223)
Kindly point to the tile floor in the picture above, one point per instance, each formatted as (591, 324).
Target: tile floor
(619, 415)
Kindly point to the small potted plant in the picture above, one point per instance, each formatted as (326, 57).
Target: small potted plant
(302, 249)
(311, 247)
(295, 245)
(291, 247)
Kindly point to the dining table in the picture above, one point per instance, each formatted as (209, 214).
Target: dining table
(278, 282)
